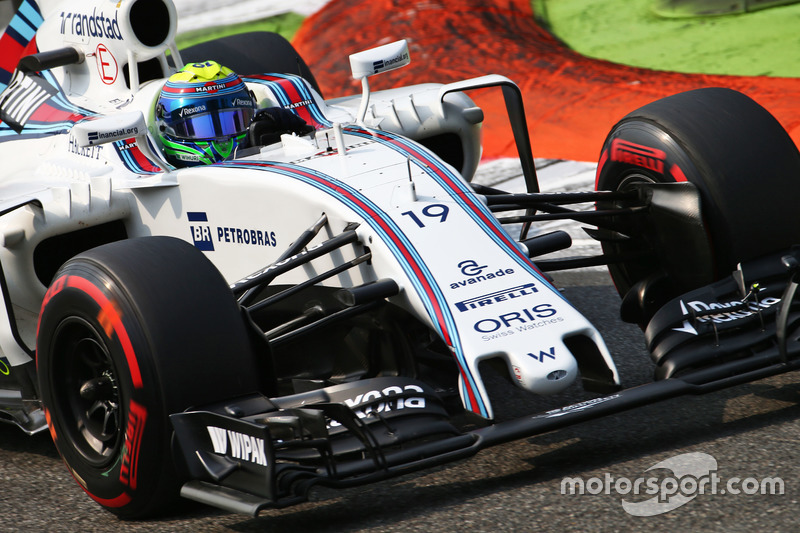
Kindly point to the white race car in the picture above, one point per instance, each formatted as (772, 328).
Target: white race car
(316, 305)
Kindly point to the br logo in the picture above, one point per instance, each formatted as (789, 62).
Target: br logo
(201, 231)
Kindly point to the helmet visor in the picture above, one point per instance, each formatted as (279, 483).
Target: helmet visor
(216, 124)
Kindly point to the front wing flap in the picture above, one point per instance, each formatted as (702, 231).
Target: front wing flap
(735, 318)
(275, 449)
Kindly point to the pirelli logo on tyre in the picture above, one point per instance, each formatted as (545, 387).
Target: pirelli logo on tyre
(635, 154)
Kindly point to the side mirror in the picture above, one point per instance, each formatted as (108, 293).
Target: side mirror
(118, 127)
(376, 61)
(381, 59)
(110, 128)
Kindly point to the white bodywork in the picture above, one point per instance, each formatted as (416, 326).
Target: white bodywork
(459, 271)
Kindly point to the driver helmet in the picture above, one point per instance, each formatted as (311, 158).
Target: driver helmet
(202, 114)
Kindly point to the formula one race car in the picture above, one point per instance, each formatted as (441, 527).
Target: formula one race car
(318, 303)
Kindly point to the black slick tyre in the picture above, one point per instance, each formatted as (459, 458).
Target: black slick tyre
(744, 164)
(130, 332)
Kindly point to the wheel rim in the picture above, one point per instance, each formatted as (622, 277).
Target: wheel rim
(626, 275)
(86, 385)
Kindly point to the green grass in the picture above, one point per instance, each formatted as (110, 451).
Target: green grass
(286, 24)
(761, 43)
(765, 42)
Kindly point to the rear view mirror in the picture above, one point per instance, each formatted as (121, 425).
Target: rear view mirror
(381, 59)
(375, 61)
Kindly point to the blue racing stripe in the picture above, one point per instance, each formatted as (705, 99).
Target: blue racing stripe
(302, 88)
(286, 101)
(15, 34)
(31, 12)
(23, 27)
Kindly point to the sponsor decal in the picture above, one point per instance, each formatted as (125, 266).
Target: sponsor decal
(728, 312)
(497, 335)
(192, 110)
(390, 400)
(580, 406)
(542, 355)
(137, 415)
(636, 154)
(201, 231)
(91, 25)
(471, 268)
(295, 105)
(246, 236)
(124, 146)
(242, 446)
(498, 296)
(526, 319)
(5, 370)
(92, 152)
(728, 315)
(24, 95)
(204, 235)
(97, 136)
(383, 64)
(210, 88)
(476, 273)
(106, 64)
(388, 392)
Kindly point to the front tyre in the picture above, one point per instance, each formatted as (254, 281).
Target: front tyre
(128, 333)
(746, 169)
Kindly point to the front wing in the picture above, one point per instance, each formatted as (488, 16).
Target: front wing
(254, 452)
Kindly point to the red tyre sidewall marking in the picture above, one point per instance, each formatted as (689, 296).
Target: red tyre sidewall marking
(110, 319)
(600, 165)
(137, 415)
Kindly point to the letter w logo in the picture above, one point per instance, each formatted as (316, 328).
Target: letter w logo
(542, 354)
(218, 439)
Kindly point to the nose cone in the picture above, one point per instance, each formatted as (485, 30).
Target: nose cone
(544, 371)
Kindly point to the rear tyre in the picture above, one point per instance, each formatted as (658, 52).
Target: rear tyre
(743, 163)
(252, 53)
(130, 332)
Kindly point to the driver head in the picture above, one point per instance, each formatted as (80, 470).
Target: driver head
(202, 114)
